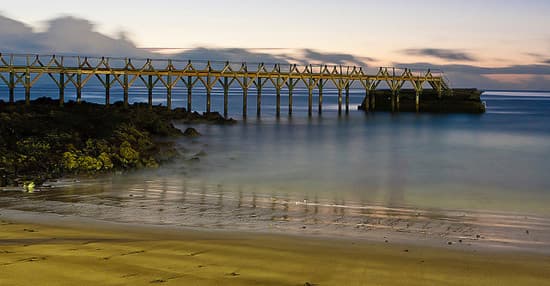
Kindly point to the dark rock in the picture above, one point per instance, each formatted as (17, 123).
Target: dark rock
(191, 132)
(83, 138)
(460, 101)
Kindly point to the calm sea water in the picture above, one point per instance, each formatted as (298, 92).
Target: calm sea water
(330, 171)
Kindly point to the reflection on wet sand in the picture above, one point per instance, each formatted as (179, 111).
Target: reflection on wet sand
(190, 203)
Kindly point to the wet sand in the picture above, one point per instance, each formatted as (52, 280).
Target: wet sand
(54, 250)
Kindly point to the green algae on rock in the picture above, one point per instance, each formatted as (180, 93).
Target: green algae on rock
(43, 141)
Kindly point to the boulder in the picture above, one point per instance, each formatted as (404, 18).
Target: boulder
(191, 132)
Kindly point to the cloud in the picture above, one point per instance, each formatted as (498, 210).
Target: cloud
(69, 35)
(534, 77)
(232, 54)
(65, 35)
(445, 54)
(16, 36)
(312, 56)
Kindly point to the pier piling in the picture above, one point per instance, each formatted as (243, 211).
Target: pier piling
(61, 85)
(347, 98)
(107, 89)
(11, 86)
(225, 96)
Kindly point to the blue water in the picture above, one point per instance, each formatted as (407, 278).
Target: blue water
(497, 160)
(269, 168)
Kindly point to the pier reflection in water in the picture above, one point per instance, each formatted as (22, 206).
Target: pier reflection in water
(454, 177)
(197, 204)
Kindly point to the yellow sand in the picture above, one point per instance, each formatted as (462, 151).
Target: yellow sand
(46, 255)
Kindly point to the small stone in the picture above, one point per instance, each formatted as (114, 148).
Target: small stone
(527, 231)
(191, 132)
(478, 236)
(450, 243)
(304, 227)
(406, 250)
(460, 240)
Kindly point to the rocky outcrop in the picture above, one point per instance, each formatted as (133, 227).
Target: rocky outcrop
(459, 101)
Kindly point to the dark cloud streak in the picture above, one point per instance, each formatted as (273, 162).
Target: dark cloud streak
(445, 54)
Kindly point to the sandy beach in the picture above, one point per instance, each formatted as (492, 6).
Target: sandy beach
(55, 250)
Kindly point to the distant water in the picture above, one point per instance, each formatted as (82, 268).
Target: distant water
(471, 172)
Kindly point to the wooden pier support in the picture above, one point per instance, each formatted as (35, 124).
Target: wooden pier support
(245, 101)
(347, 98)
(417, 101)
(11, 86)
(79, 87)
(393, 101)
(225, 97)
(278, 100)
(27, 87)
(107, 90)
(245, 91)
(150, 91)
(291, 84)
(310, 101)
(189, 93)
(208, 89)
(339, 100)
(61, 85)
(259, 97)
(320, 87)
(169, 92)
(125, 89)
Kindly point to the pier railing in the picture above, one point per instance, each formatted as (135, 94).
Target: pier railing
(25, 70)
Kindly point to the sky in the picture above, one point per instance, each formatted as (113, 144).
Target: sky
(483, 33)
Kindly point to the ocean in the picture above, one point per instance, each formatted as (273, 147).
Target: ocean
(457, 176)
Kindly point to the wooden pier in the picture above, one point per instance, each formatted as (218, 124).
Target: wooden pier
(26, 70)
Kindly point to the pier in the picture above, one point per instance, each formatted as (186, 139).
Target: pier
(25, 70)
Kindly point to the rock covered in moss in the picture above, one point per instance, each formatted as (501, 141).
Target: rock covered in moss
(43, 141)
(191, 132)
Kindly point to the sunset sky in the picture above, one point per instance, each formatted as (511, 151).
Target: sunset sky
(485, 33)
(491, 32)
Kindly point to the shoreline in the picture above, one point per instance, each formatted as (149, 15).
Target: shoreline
(112, 254)
(377, 237)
